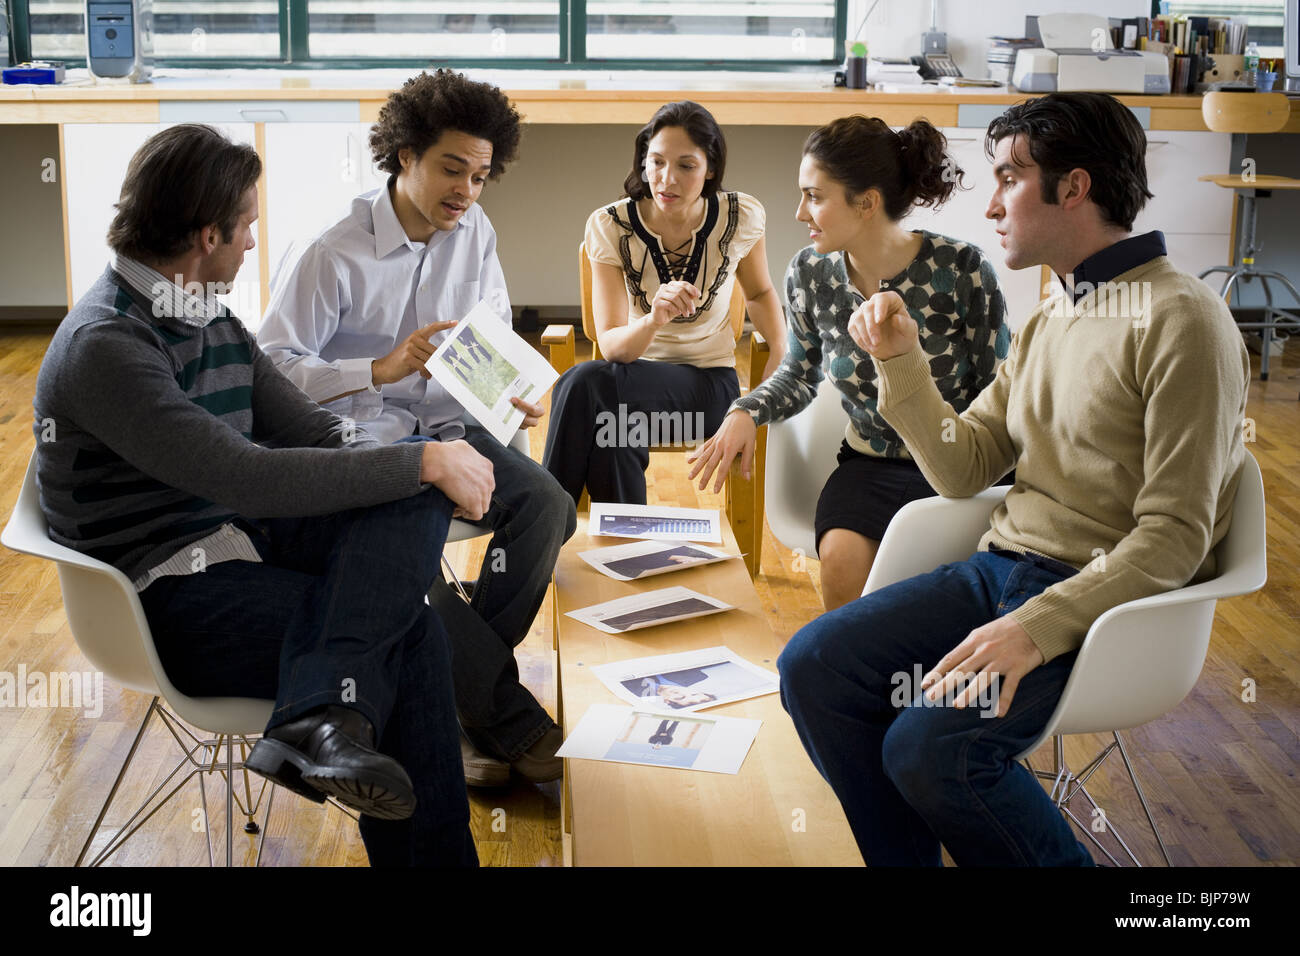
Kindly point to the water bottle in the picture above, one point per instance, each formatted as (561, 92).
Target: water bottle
(1252, 57)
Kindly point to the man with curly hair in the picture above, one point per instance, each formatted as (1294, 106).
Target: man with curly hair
(352, 320)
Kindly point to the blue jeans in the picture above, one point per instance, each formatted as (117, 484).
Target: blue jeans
(531, 517)
(911, 777)
(335, 614)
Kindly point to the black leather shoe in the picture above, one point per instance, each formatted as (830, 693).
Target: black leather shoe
(332, 750)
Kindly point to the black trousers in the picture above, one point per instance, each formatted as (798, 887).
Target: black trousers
(605, 416)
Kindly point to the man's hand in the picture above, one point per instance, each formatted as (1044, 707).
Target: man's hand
(882, 327)
(532, 413)
(409, 356)
(673, 299)
(460, 473)
(737, 436)
(1001, 649)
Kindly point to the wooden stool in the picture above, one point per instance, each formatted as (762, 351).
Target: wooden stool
(1252, 113)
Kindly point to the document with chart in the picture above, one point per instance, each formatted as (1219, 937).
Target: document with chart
(484, 364)
(655, 522)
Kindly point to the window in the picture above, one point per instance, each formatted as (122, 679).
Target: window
(433, 30)
(1264, 19)
(739, 30)
(645, 34)
(182, 29)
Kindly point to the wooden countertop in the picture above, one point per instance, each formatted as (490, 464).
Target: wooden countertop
(589, 96)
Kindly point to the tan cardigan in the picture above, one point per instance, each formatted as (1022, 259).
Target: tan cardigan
(1122, 415)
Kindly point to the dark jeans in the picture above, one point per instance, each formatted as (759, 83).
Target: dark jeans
(531, 517)
(911, 777)
(336, 615)
(580, 452)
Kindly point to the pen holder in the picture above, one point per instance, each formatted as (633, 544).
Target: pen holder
(856, 74)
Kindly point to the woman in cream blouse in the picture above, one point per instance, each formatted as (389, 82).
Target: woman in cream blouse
(663, 260)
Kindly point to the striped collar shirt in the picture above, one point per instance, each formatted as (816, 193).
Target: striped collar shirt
(169, 300)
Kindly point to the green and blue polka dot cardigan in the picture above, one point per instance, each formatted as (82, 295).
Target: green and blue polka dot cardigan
(950, 290)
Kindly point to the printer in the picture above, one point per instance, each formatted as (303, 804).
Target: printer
(1077, 55)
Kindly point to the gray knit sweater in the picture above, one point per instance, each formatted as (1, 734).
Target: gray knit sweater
(151, 433)
(950, 290)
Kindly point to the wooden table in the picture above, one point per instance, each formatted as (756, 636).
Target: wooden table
(776, 812)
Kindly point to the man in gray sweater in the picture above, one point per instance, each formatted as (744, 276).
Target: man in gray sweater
(276, 553)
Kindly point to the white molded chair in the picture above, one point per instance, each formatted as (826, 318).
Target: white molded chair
(464, 530)
(801, 454)
(1138, 660)
(109, 626)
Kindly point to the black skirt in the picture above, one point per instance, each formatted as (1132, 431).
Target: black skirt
(864, 492)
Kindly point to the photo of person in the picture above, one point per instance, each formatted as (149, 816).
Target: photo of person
(636, 566)
(651, 739)
(659, 612)
(694, 687)
(480, 366)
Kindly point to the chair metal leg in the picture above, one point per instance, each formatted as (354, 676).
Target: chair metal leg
(1065, 785)
(200, 758)
(230, 802)
(117, 782)
(1226, 289)
(1119, 743)
(207, 824)
(451, 576)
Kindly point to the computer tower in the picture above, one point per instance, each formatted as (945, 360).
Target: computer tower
(119, 39)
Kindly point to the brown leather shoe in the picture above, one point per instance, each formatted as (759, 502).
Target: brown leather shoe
(538, 764)
(480, 769)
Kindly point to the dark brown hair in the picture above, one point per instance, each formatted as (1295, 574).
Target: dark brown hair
(430, 104)
(704, 132)
(181, 180)
(909, 168)
(1090, 131)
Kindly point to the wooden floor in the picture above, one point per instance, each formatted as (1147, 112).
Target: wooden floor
(1220, 772)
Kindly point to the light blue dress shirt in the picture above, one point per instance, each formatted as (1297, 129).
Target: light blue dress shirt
(350, 295)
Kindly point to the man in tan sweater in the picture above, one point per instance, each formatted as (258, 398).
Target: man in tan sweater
(1120, 407)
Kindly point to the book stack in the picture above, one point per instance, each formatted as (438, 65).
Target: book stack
(1002, 56)
(1203, 36)
(1191, 43)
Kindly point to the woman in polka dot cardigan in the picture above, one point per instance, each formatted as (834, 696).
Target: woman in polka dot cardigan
(857, 181)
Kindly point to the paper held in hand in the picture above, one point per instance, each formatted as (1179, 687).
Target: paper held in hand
(641, 559)
(648, 609)
(482, 363)
(655, 522)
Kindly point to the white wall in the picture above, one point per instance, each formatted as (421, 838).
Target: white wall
(540, 205)
(895, 27)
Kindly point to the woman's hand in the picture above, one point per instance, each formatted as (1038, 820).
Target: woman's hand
(673, 299)
(737, 436)
(882, 327)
